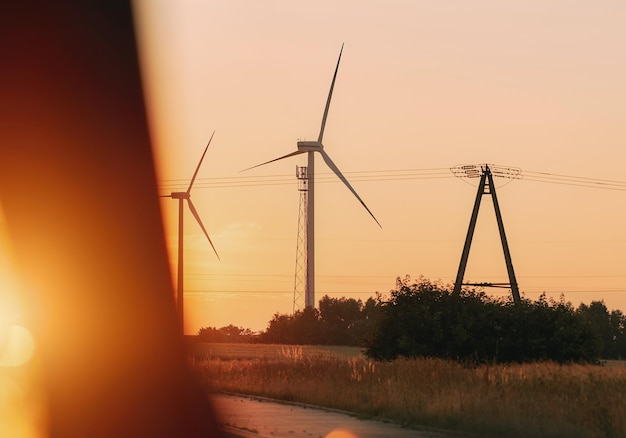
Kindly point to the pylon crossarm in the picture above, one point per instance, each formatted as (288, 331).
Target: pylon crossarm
(500, 285)
(476, 171)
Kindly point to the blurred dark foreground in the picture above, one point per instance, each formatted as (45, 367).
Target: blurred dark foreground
(78, 193)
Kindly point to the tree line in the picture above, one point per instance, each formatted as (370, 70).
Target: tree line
(425, 319)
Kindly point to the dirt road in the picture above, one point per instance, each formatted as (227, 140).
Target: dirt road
(249, 417)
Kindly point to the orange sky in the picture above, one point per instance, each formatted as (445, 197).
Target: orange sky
(533, 85)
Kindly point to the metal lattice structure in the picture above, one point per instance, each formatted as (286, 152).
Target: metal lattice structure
(486, 186)
(300, 285)
(312, 147)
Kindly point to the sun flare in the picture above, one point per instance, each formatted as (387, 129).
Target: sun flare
(16, 346)
(341, 433)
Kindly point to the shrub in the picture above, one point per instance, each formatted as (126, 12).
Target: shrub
(425, 319)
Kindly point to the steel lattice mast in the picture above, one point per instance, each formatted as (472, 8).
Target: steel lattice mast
(301, 284)
(310, 148)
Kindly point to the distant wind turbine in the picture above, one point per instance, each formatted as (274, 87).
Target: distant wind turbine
(186, 196)
(311, 147)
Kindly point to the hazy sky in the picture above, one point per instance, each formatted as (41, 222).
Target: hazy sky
(533, 85)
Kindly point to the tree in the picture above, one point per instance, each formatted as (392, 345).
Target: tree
(339, 321)
(226, 334)
(426, 319)
(303, 328)
(339, 318)
(608, 328)
(596, 315)
(364, 327)
(307, 327)
(279, 330)
(618, 327)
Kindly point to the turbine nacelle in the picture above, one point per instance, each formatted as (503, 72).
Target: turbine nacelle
(186, 195)
(310, 146)
(317, 146)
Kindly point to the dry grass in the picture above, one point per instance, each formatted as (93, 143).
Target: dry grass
(531, 400)
(264, 351)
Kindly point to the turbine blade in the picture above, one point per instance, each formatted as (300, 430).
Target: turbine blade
(197, 216)
(335, 169)
(330, 95)
(198, 168)
(275, 159)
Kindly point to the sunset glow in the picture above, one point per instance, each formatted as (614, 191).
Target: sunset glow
(421, 88)
(17, 346)
(20, 401)
(16, 342)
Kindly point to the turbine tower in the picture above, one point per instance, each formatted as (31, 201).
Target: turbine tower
(310, 147)
(186, 196)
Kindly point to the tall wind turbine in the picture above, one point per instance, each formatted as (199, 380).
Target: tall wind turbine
(311, 147)
(186, 196)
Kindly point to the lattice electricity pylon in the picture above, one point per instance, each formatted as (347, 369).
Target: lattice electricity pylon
(486, 187)
(300, 285)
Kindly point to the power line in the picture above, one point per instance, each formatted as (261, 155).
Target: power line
(570, 177)
(574, 181)
(473, 171)
(398, 175)
(392, 175)
(407, 240)
(374, 282)
(563, 291)
(387, 276)
(323, 177)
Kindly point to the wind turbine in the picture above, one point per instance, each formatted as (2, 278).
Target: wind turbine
(311, 147)
(186, 196)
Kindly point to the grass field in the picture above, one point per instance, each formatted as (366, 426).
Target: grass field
(527, 400)
(267, 351)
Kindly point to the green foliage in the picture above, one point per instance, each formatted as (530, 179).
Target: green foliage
(302, 328)
(227, 334)
(339, 321)
(609, 329)
(425, 319)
